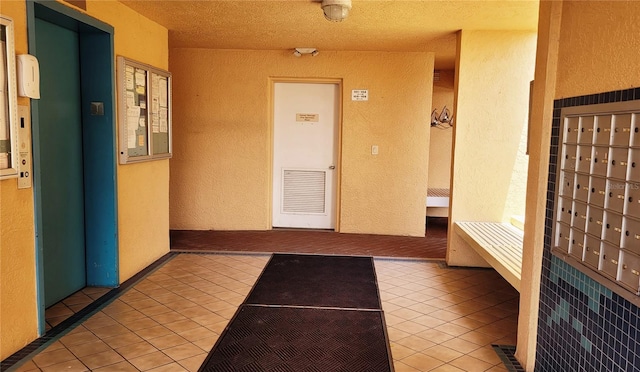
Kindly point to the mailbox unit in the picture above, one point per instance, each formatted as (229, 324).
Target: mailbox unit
(597, 198)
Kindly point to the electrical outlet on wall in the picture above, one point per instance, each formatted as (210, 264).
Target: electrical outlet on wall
(374, 150)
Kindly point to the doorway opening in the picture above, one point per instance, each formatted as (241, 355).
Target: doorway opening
(74, 152)
(306, 122)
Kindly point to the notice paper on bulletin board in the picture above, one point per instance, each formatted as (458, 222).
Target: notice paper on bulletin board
(144, 112)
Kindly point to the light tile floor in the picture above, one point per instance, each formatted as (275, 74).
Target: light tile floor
(59, 312)
(438, 318)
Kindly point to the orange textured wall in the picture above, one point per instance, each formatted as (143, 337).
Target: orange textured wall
(143, 220)
(18, 308)
(588, 61)
(493, 73)
(221, 170)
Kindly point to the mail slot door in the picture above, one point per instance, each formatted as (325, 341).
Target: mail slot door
(565, 210)
(563, 237)
(602, 132)
(595, 217)
(610, 256)
(615, 196)
(585, 133)
(600, 161)
(621, 130)
(584, 159)
(631, 236)
(635, 131)
(570, 157)
(618, 159)
(571, 130)
(612, 231)
(579, 220)
(632, 200)
(581, 188)
(592, 252)
(630, 271)
(576, 246)
(567, 180)
(633, 169)
(598, 191)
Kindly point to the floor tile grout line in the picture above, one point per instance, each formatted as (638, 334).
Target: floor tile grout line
(55, 333)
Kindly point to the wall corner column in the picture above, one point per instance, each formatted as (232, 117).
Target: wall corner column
(549, 24)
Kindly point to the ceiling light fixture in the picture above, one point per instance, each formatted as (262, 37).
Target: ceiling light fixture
(298, 52)
(336, 10)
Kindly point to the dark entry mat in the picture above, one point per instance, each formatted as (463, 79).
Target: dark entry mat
(318, 281)
(261, 338)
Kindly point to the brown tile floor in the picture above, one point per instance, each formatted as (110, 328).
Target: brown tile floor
(438, 318)
(432, 246)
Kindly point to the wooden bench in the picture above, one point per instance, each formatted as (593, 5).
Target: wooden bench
(500, 244)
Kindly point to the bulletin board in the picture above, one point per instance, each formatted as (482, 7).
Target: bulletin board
(144, 112)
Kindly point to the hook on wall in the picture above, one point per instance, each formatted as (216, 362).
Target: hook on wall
(444, 120)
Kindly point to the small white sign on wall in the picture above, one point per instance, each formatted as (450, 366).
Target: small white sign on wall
(308, 117)
(360, 95)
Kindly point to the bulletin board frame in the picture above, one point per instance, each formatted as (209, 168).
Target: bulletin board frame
(144, 112)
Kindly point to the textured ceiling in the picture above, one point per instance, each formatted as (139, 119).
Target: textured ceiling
(417, 25)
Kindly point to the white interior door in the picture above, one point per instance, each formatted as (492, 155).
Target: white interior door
(305, 154)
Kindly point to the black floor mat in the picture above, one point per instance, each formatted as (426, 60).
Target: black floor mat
(283, 339)
(318, 281)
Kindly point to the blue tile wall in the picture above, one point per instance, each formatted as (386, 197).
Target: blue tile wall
(582, 326)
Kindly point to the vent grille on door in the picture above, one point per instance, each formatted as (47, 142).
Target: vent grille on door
(303, 191)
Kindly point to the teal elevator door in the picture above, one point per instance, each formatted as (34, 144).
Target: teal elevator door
(61, 162)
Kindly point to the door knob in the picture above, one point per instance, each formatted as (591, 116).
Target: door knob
(332, 167)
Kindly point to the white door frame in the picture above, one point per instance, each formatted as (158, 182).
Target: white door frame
(338, 170)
